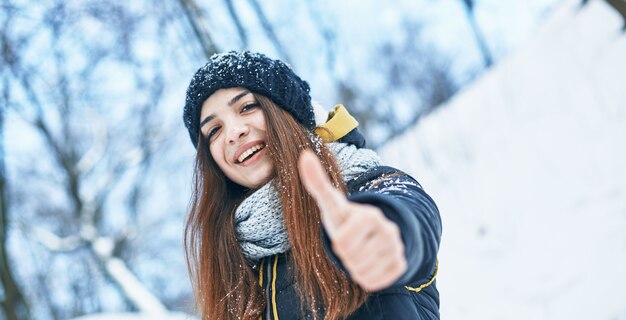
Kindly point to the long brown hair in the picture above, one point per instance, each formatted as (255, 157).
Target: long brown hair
(223, 281)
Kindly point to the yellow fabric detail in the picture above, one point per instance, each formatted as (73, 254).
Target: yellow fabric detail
(421, 287)
(261, 273)
(261, 278)
(274, 289)
(338, 124)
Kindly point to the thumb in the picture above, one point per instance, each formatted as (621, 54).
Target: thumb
(316, 181)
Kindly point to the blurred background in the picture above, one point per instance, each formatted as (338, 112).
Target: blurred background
(510, 113)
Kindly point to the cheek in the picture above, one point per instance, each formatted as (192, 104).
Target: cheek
(217, 153)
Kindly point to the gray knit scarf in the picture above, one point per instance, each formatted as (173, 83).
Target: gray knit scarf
(259, 221)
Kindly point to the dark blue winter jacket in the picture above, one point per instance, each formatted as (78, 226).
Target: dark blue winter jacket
(414, 295)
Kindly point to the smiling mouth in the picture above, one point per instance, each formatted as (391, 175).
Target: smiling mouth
(250, 152)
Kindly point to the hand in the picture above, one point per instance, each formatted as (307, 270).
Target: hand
(368, 244)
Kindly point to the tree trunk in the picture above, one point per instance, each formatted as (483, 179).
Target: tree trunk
(13, 305)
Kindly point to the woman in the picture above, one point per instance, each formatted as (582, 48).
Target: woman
(292, 221)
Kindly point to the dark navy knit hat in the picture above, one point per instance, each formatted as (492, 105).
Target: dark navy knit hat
(255, 72)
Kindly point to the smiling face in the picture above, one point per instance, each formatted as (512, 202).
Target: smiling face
(234, 124)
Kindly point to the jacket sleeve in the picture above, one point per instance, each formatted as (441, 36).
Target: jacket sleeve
(403, 201)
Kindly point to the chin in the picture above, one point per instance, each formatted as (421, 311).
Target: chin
(259, 182)
(257, 177)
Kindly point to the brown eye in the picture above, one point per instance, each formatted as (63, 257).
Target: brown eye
(250, 106)
(213, 132)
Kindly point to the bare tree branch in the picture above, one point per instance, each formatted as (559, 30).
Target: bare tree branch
(195, 18)
(235, 17)
(134, 290)
(96, 152)
(269, 30)
(327, 33)
(480, 39)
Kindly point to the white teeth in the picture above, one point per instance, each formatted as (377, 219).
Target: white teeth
(248, 152)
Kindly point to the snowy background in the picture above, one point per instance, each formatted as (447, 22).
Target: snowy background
(528, 167)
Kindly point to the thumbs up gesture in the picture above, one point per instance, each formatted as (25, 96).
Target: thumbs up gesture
(368, 244)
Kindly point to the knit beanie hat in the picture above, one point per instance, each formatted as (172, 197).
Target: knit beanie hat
(255, 72)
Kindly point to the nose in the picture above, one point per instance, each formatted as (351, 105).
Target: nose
(237, 131)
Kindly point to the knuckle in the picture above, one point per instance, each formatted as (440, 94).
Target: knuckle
(345, 211)
(370, 219)
(375, 214)
(342, 239)
(353, 255)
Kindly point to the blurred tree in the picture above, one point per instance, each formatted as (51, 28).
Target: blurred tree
(237, 21)
(269, 30)
(480, 40)
(327, 31)
(12, 301)
(84, 173)
(413, 80)
(198, 23)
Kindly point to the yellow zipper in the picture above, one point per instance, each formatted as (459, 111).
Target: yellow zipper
(274, 289)
(261, 281)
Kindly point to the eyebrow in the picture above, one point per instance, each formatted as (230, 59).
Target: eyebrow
(230, 103)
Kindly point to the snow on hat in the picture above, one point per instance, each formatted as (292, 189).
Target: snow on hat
(255, 72)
